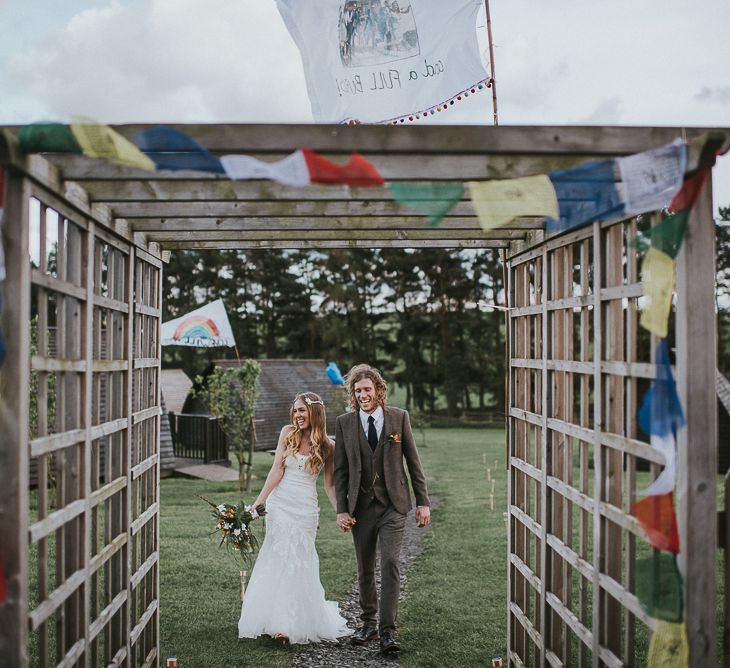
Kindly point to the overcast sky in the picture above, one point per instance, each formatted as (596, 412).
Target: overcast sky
(577, 62)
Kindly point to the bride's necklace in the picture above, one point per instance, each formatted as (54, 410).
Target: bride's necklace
(302, 458)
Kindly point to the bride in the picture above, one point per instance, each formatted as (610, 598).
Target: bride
(285, 598)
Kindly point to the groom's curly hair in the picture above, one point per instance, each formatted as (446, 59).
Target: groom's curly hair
(356, 374)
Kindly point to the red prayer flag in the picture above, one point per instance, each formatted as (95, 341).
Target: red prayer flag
(3, 584)
(357, 172)
(657, 518)
(690, 190)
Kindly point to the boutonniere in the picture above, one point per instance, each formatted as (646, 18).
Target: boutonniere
(394, 438)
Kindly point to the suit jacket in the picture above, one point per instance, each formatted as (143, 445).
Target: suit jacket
(348, 465)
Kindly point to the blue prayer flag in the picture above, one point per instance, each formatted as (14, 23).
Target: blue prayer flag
(172, 149)
(661, 411)
(333, 373)
(585, 194)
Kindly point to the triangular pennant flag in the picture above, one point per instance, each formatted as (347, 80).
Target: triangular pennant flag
(47, 138)
(690, 190)
(357, 172)
(658, 519)
(291, 171)
(169, 148)
(500, 201)
(657, 277)
(651, 179)
(100, 141)
(433, 199)
(669, 646)
(585, 194)
(664, 483)
(659, 586)
(661, 410)
(205, 327)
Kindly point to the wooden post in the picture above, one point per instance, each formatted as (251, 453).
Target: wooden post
(697, 442)
(14, 381)
(491, 63)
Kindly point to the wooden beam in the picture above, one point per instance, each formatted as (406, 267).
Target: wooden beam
(339, 243)
(14, 403)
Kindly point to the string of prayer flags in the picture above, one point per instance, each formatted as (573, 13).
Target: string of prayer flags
(657, 276)
(659, 586)
(658, 519)
(585, 194)
(47, 137)
(100, 141)
(498, 202)
(432, 199)
(334, 374)
(651, 179)
(669, 646)
(171, 149)
(661, 410)
(302, 168)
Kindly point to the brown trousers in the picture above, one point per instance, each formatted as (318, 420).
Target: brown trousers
(378, 523)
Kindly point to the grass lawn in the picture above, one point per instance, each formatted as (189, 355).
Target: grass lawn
(455, 612)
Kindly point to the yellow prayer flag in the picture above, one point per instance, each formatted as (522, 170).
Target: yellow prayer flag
(669, 647)
(657, 275)
(100, 141)
(498, 202)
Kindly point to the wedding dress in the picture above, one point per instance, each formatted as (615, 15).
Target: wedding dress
(284, 594)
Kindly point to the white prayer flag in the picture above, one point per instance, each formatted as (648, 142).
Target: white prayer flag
(290, 171)
(206, 327)
(651, 179)
(666, 479)
(379, 60)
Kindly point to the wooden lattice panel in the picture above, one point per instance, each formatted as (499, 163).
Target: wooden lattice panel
(580, 365)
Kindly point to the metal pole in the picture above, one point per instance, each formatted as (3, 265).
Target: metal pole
(493, 81)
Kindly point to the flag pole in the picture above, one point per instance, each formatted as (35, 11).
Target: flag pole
(493, 81)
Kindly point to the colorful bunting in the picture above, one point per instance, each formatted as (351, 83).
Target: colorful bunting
(661, 411)
(657, 276)
(100, 141)
(657, 518)
(334, 374)
(47, 137)
(433, 199)
(669, 646)
(498, 202)
(172, 149)
(585, 194)
(659, 586)
(651, 179)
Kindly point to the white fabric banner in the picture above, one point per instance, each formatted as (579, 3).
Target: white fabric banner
(205, 327)
(379, 60)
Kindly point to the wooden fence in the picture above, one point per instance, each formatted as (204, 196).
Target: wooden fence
(198, 437)
(580, 365)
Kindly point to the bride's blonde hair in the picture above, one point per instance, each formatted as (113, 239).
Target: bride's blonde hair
(320, 445)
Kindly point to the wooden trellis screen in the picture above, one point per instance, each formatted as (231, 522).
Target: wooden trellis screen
(91, 565)
(580, 365)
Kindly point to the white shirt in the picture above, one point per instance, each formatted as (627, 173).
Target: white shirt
(379, 417)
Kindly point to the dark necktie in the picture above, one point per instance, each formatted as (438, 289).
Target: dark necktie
(372, 433)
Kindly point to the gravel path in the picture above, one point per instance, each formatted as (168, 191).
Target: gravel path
(342, 654)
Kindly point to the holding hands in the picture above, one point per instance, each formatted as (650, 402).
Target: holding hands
(345, 521)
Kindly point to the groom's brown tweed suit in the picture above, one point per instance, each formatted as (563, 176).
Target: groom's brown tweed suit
(372, 487)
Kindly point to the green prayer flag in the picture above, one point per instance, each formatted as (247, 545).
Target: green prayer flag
(433, 199)
(47, 137)
(659, 586)
(667, 236)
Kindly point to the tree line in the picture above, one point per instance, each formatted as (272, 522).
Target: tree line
(419, 315)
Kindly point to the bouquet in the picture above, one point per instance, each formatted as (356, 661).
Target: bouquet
(233, 523)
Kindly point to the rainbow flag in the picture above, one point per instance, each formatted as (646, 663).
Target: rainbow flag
(205, 327)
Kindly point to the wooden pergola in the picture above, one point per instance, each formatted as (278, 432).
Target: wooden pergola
(569, 294)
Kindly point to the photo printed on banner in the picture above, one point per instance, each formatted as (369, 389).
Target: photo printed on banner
(375, 32)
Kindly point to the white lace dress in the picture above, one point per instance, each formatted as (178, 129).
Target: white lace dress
(284, 594)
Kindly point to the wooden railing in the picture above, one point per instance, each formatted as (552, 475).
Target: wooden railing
(198, 437)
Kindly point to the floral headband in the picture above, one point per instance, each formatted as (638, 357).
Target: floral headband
(313, 401)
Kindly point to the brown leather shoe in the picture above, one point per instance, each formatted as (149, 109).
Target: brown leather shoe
(364, 634)
(388, 644)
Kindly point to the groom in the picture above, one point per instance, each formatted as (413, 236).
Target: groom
(373, 498)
